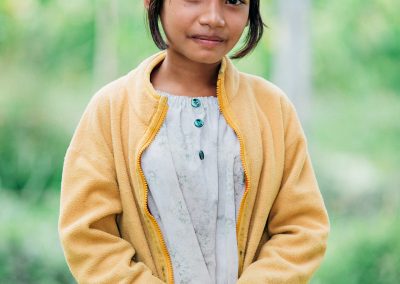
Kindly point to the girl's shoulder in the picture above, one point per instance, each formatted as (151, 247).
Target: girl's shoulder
(121, 89)
(266, 93)
(261, 86)
(115, 92)
(249, 86)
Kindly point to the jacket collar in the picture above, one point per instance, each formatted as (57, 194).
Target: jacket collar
(144, 99)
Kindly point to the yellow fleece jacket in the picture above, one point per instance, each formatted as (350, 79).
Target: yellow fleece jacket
(106, 230)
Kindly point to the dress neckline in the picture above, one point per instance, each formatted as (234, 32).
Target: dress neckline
(169, 95)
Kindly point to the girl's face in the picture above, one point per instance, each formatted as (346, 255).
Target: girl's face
(203, 31)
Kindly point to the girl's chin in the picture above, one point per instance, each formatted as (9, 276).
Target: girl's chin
(200, 55)
(206, 56)
(207, 59)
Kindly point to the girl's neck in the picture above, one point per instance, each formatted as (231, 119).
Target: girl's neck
(180, 76)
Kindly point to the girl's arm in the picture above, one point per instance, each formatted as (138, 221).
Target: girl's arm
(90, 203)
(298, 223)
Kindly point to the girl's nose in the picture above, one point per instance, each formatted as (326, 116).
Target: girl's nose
(212, 15)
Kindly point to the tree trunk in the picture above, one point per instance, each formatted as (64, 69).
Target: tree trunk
(292, 61)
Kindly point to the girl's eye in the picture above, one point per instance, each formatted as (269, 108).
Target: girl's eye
(235, 2)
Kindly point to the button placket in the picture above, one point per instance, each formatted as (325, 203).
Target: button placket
(196, 103)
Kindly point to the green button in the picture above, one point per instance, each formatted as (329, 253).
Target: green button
(196, 102)
(201, 155)
(198, 123)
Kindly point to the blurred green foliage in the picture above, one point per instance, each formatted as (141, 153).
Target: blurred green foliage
(357, 50)
(363, 252)
(29, 247)
(47, 76)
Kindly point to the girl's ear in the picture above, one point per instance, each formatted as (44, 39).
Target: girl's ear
(146, 4)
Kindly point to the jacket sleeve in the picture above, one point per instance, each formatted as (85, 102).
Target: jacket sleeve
(89, 205)
(298, 224)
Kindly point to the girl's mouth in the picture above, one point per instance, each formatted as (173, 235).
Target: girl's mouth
(208, 41)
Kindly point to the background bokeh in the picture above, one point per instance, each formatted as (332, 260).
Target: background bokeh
(55, 54)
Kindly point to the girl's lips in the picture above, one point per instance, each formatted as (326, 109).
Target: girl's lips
(209, 38)
(208, 41)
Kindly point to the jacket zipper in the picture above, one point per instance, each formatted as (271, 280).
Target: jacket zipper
(220, 86)
(247, 182)
(147, 212)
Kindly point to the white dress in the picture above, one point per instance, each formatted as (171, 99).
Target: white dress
(196, 182)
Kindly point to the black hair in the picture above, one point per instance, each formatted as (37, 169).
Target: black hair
(254, 34)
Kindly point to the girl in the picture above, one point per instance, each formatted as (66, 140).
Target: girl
(186, 170)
